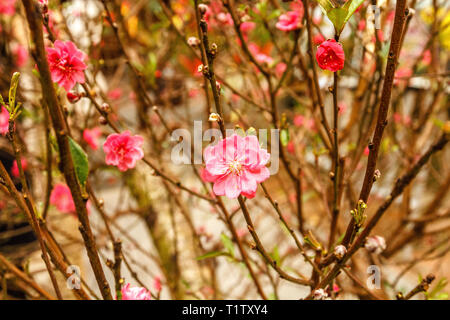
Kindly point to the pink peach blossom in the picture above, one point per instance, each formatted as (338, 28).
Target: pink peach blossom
(318, 39)
(4, 120)
(426, 59)
(236, 165)
(342, 106)
(62, 198)
(330, 56)
(91, 136)
(299, 120)
(21, 55)
(15, 167)
(66, 64)
(115, 94)
(280, 68)
(7, 7)
(290, 20)
(135, 293)
(123, 150)
(402, 74)
(260, 56)
(157, 284)
(247, 26)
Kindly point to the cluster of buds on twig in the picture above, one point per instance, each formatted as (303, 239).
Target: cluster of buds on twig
(375, 244)
(358, 213)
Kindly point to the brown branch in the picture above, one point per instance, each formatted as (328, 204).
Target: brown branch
(34, 19)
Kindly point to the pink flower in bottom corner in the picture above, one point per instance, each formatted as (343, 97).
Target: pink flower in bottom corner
(66, 64)
(236, 165)
(91, 136)
(123, 150)
(135, 293)
(4, 121)
(15, 167)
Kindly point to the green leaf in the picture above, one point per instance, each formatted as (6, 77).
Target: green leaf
(284, 137)
(325, 5)
(212, 254)
(339, 15)
(13, 90)
(80, 161)
(227, 243)
(276, 255)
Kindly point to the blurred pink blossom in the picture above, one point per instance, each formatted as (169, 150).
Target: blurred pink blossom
(91, 136)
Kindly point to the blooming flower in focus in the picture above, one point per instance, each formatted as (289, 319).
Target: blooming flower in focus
(290, 20)
(135, 293)
(66, 64)
(4, 120)
(91, 137)
(236, 165)
(15, 167)
(330, 56)
(123, 150)
(7, 7)
(62, 198)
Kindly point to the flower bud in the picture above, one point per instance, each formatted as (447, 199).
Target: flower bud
(320, 294)
(102, 120)
(375, 244)
(214, 117)
(193, 41)
(106, 108)
(340, 251)
(376, 175)
(218, 86)
(202, 8)
(73, 97)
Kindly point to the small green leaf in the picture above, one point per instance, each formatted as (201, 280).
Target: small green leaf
(80, 161)
(284, 137)
(339, 15)
(227, 243)
(13, 90)
(276, 255)
(212, 254)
